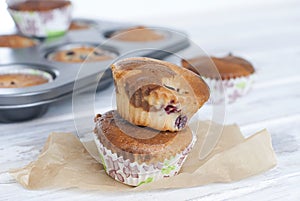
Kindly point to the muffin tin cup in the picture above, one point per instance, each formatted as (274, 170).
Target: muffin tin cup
(229, 91)
(82, 24)
(19, 113)
(10, 38)
(28, 71)
(107, 51)
(135, 174)
(43, 23)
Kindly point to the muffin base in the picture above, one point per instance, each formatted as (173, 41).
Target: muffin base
(135, 174)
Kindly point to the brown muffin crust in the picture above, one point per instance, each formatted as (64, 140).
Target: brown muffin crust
(137, 34)
(81, 54)
(140, 144)
(21, 80)
(16, 41)
(39, 5)
(147, 76)
(228, 67)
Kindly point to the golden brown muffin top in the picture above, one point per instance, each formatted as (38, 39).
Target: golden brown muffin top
(81, 54)
(137, 34)
(145, 75)
(139, 143)
(228, 67)
(16, 41)
(39, 5)
(19, 80)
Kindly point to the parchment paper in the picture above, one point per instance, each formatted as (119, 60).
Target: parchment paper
(65, 163)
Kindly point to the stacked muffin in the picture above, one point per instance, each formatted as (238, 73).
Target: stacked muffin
(147, 138)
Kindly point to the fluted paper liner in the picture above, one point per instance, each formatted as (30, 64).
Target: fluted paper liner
(136, 174)
(43, 23)
(64, 163)
(234, 88)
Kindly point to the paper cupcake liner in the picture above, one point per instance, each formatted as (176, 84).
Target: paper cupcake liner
(234, 88)
(29, 71)
(43, 23)
(135, 174)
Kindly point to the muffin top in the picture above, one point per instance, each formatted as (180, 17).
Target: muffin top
(141, 144)
(81, 54)
(39, 5)
(16, 41)
(145, 79)
(78, 26)
(228, 67)
(137, 34)
(18, 80)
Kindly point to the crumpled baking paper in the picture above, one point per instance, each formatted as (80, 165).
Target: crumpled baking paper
(65, 163)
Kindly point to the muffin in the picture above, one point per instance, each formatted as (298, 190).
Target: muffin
(136, 155)
(156, 93)
(234, 74)
(16, 41)
(78, 26)
(23, 78)
(40, 18)
(137, 34)
(81, 54)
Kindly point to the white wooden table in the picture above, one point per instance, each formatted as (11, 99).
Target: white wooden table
(269, 36)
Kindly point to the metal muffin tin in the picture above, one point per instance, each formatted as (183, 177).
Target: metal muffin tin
(18, 104)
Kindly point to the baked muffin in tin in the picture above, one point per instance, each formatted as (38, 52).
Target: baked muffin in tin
(20, 78)
(137, 34)
(16, 41)
(81, 54)
(75, 25)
